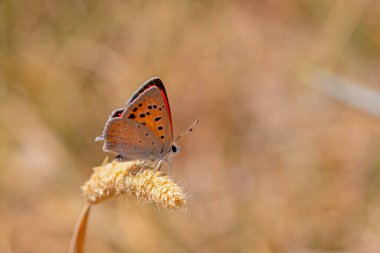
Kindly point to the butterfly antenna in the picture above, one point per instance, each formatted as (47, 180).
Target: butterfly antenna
(188, 130)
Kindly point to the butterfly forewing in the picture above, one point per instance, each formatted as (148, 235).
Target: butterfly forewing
(151, 110)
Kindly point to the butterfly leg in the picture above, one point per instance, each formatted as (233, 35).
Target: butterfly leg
(144, 166)
(159, 165)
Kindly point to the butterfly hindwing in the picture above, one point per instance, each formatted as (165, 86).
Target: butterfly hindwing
(130, 139)
(151, 109)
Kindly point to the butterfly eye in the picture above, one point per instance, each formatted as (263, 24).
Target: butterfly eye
(175, 148)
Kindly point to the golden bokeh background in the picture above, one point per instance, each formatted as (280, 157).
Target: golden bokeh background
(285, 157)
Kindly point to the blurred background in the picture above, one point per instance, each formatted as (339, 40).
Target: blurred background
(285, 157)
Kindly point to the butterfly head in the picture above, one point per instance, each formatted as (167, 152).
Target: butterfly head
(174, 150)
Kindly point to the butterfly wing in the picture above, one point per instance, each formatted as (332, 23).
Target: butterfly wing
(130, 139)
(150, 106)
(144, 129)
(156, 82)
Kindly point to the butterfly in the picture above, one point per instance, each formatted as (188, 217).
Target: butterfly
(143, 129)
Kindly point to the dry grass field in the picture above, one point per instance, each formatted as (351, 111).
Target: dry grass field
(286, 157)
